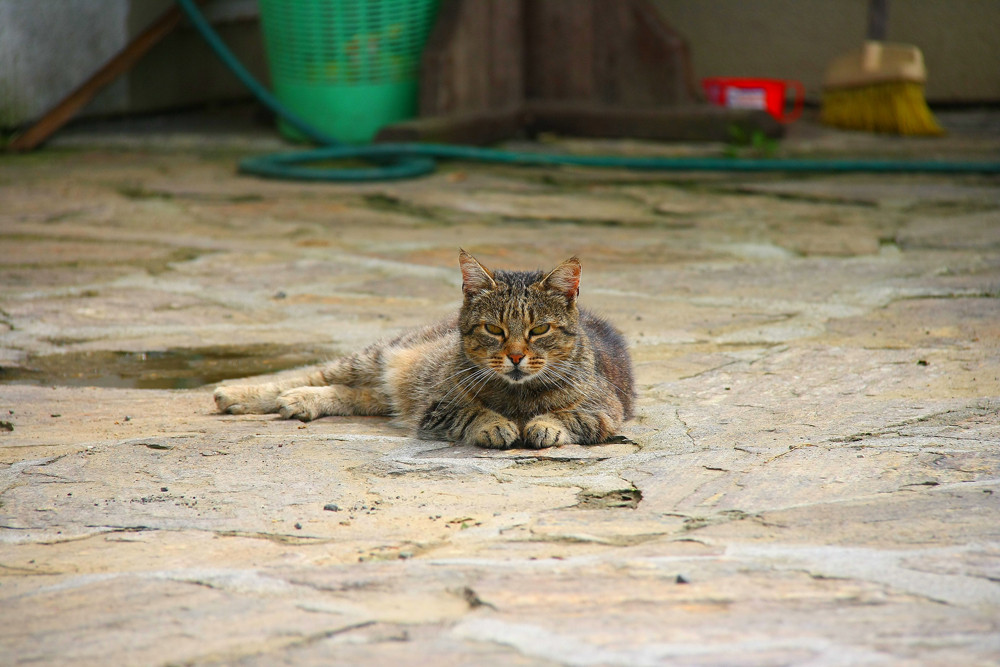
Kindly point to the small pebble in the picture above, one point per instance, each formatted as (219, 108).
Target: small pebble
(331, 507)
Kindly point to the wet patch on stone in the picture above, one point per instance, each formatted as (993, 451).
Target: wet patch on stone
(177, 368)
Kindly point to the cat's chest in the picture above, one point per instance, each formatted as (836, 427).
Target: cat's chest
(521, 404)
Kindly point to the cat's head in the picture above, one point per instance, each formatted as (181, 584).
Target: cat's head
(520, 324)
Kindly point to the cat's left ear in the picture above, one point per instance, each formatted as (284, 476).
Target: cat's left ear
(565, 279)
(476, 278)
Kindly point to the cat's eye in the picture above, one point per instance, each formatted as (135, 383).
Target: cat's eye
(493, 329)
(539, 330)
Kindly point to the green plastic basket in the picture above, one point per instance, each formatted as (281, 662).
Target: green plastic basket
(346, 66)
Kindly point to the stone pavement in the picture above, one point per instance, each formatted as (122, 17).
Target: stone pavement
(813, 476)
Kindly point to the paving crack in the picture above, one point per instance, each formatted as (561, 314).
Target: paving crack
(236, 655)
(9, 476)
(791, 448)
(883, 567)
(711, 370)
(894, 429)
(280, 538)
(692, 523)
(327, 634)
(19, 570)
(586, 538)
(687, 429)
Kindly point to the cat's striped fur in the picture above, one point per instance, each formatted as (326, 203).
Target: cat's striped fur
(519, 365)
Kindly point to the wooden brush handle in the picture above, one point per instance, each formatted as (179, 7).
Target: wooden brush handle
(878, 20)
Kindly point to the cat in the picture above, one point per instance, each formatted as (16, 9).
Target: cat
(520, 365)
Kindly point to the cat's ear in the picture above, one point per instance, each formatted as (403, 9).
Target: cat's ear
(565, 279)
(476, 278)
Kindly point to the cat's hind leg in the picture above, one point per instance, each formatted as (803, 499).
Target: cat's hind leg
(308, 403)
(361, 371)
(258, 399)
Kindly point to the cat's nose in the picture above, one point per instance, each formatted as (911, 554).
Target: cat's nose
(515, 357)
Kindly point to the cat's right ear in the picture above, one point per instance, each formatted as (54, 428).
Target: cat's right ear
(565, 279)
(476, 278)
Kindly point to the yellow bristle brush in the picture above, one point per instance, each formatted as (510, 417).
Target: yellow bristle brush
(879, 87)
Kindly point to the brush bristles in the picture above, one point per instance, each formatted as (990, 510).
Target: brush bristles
(895, 108)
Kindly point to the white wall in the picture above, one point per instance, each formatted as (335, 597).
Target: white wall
(960, 40)
(48, 47)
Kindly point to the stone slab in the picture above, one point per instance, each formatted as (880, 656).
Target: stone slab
(811, 476)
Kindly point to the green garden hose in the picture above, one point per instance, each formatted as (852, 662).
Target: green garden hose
(409, 160)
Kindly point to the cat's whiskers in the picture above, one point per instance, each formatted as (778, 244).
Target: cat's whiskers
(571, 378)
(459, 383)
(480, 387)
(471, 380)
(593, 400)
(473, 383)
(466, 369)
(463, 384)
(561, 365)
(562, 379)
(478, 382)
(565, 372)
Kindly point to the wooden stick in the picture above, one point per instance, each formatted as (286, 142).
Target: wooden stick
(878, 20)
(694, 122)
(122, 62)
(475, 128)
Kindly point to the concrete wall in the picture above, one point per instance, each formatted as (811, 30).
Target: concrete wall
(49, 47)
(796, 39)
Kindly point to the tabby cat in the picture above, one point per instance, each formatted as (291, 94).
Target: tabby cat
(520, 365)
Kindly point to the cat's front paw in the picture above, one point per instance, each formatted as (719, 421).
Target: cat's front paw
(545, 431)
(493, 432)
(303, 403)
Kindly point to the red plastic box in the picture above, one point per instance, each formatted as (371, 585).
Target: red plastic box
(767, 94)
